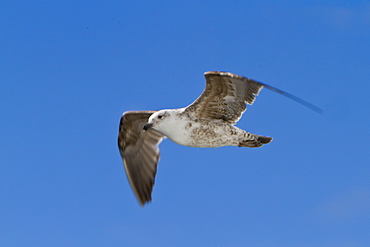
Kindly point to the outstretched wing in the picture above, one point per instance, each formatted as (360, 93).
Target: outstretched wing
(226, 95)
(139, 151)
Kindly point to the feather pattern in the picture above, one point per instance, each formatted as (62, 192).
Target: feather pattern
(139, 151)
(224, 97)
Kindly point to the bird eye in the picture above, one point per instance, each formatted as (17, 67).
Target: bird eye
(160, 116)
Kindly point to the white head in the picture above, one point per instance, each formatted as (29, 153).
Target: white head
(160, 120)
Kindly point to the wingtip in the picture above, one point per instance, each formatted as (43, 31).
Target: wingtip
(143, 203)
(318, 110)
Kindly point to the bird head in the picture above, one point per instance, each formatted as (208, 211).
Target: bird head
(156, 120)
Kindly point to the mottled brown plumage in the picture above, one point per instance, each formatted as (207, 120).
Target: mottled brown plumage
(224, 97)
(140, 152)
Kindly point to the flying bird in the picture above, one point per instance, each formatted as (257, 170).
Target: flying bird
(208, 122)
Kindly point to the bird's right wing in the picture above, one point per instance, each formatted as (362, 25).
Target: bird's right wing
(139, 151)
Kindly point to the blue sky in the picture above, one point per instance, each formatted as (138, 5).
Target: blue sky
(69, 69)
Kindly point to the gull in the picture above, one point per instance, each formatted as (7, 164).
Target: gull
(208, 122)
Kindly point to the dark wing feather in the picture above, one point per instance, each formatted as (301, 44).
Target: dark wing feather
(224, 97)
(139, 151)
(226, 94)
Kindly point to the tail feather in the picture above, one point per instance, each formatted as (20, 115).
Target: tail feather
(264, 139)
(258, 141)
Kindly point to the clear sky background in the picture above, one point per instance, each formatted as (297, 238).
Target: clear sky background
(69, 69)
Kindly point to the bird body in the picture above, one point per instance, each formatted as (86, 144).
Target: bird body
(208, 122)
(179, 126)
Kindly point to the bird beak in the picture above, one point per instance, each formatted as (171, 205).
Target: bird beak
(147, 126)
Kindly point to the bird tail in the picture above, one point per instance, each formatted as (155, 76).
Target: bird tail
(256, 142)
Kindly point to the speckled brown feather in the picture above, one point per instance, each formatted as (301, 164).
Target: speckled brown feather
(224, 97)
(139, 151)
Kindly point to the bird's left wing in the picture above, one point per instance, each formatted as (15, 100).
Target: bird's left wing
(226, 95)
